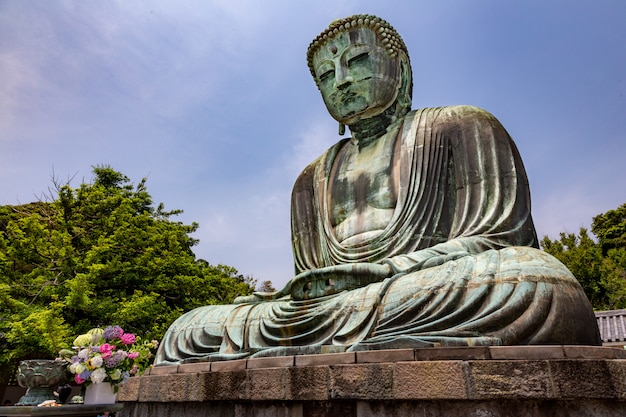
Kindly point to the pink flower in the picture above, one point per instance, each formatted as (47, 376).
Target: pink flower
(133, 355)
(106, 350)
(128, 338)
(78, 379)
(105, 347)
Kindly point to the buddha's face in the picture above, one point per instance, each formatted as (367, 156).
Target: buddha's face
(356, 76)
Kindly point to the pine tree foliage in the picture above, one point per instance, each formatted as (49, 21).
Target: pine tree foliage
(94, 255)
(599, 264)
(266, 286)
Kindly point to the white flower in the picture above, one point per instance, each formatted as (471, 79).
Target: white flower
(116, 374)
(82, 340)
(83, 353)
(98, 375)
(77, 368)
(96, 361)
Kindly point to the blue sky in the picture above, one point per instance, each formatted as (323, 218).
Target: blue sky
(213, 102)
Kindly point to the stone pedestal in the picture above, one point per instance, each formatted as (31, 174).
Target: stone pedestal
(465, 381)
(72, 410)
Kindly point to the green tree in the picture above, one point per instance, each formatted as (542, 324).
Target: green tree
(599, 265)
(266, 286)
(95, 255)
(610, 228)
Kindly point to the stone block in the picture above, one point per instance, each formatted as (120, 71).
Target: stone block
(225, 386)
(228, 366)
(526, 352)
(589, 352)
(619, 353)
(270, 362)
(269, 384)
(581, 379)
(129, 390)
(330, 409)
(493, 408)
(164, 388)
(429, 380)
(196, 367)
(381, 356)
(264, 409)
(509, 379)
(310, 383)
(617, 370)
(164, 370)
(149, 387)
(196, 389)
(452, 353)
(326, 359)
(371, 381)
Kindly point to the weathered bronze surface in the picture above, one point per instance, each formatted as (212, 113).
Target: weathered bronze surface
(41, 377)
(416, 231)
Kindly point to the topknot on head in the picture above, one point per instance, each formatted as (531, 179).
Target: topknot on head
(391, 40)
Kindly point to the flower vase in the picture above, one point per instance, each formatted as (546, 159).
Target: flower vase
(101, 393)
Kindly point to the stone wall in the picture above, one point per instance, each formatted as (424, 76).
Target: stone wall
(476, 381)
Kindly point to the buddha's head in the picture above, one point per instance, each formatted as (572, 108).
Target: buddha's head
(361, 66)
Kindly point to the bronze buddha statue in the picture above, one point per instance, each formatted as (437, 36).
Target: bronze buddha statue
(415, 231)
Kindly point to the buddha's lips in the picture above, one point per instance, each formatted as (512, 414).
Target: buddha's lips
(345, 96)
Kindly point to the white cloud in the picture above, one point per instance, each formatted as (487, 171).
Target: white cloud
(311, 142)
(214, 101)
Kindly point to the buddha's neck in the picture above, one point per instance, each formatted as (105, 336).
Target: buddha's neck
(366, 131)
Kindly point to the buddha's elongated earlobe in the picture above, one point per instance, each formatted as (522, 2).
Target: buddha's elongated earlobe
(404, 101)
(342, 129)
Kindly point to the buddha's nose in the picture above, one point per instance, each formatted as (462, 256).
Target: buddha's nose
(342, 78)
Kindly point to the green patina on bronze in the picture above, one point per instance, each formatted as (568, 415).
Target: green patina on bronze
(41, 377)
(415, 231)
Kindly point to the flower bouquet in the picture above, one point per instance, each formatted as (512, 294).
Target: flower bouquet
(108, 355)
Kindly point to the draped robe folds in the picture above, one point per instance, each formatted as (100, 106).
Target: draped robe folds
(461, 243)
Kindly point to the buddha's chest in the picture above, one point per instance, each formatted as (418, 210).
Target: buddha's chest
(363, 189)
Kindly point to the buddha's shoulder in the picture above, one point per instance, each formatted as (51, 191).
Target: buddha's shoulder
(320, 164)
(457, 113)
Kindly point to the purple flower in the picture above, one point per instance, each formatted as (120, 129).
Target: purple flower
(84, 375)
(113, 332)
(112, 361)
(115, 359)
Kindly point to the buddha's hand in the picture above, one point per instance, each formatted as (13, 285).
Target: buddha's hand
(333, 279)
(258, 297)
(423, 259)
(443, 258)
